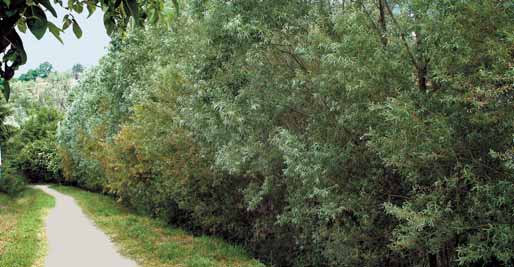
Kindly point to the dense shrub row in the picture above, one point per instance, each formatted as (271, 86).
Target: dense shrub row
(316, 133)
(29, 147)
(30, 152)
(10, 181)
(36, 155)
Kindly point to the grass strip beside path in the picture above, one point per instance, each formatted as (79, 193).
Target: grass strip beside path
(22, 239)
(151, 242)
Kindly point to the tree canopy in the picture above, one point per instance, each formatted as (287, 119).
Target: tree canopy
(19, 15)
(316, 133)
(76, 70)
(42, 71)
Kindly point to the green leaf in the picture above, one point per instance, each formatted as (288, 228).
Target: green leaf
(7, 2)
(11, 55)
(37, 22)
(78, 8)
(66, 23)
(48, 5)
(109, 23)
(154, 17)
(22, 25)
(55, 31)
(91, 7)
(76, 29)
(131, 7)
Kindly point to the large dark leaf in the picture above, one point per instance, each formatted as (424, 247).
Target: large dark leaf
(48, 5)
(4, 43)
(17, 44)
(109, 23)
(36, 21)
(130, 7)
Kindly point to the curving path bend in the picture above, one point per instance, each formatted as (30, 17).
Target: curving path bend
(73, 239)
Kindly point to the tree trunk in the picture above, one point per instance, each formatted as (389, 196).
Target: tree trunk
(422, 76)
(382, 22)
(432, 260)
(422, 64)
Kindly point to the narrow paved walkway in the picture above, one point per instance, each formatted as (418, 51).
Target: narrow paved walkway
(74, 241)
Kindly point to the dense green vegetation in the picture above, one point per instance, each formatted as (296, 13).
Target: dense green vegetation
(31, 154)
(29, 125)
(315, 133)
(22, 242)
(37, 157)
(10, 182)
(151, 242)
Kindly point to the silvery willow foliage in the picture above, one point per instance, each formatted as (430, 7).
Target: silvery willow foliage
(316, 133)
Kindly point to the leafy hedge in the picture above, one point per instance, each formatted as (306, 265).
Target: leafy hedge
(36, 156)
(11, 183)
(327, 133)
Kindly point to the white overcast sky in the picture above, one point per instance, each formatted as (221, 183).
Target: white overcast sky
(86, 50)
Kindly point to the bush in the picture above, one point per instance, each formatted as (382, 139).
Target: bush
(37, 157)
(10, 182)
(39, 161)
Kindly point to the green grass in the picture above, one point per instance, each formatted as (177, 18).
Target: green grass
(22, 239)
(151, 242)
